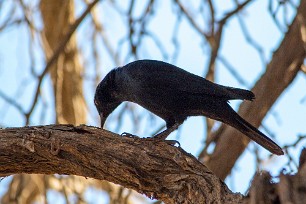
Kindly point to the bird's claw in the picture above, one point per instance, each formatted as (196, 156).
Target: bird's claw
(173, 142)
(126, 134)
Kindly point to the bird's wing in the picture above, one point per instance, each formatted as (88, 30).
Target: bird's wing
(164, 76)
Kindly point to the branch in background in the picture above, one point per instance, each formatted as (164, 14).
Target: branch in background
(150, 167)
(192, 22)
(251, 41)
(281, 71)
(290, 188)
(231, 69)
(12, 102)
(153, 168)
(282, 4)
(55, 56)
(214, 40)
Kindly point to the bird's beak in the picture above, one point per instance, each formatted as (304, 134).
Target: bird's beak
(103, 119)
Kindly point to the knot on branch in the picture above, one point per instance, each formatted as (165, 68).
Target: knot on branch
(55, 146)
(28, 143)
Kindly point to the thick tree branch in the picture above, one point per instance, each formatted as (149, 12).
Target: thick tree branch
(151, 167)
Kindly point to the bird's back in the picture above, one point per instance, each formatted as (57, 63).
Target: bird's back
(161, 76)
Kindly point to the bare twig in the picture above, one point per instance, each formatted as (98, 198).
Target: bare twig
(251, 41)
(233, 71)
(12, 102)
(191, 20)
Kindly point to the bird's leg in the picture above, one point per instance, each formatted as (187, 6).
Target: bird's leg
(164, 134)
(160, 136)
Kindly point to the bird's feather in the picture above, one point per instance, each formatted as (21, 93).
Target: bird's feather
(171, 78)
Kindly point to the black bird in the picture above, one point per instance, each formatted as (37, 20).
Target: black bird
(174, 94)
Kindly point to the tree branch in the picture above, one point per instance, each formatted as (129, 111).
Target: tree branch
(151, 167)
(281, 71)
(289, 189)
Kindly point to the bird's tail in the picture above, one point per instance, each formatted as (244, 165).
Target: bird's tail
(242, 94)
(254, 134)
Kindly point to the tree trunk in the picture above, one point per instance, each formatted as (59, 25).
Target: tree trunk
(281, 71)
(66, 73)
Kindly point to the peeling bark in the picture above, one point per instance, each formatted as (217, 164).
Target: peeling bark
(151, 167)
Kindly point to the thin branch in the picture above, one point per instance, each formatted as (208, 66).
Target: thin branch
(212, 15)
(12, 102)
(99, 28)
(191, 20)
(174, 39)
(232, 70)
(235, 11)
(251, 41)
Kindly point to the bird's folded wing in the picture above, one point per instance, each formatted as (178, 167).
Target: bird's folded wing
(178, 80)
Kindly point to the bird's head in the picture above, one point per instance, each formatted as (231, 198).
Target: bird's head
(106, 97)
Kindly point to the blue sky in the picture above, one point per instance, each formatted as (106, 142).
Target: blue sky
(192, 56)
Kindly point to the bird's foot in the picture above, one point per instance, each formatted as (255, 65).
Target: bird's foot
(173, 142)
(126, 134)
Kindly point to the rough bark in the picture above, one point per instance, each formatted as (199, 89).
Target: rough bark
(281, 71)
(153, 168)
